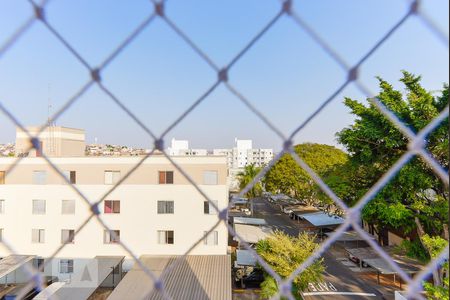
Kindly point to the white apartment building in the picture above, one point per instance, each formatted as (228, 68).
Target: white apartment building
(181, 148)
(155, 211)
(243, 154)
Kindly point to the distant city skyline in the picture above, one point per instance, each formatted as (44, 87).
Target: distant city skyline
(285, 75)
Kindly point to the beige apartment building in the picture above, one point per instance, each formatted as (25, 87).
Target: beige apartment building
(155, 211)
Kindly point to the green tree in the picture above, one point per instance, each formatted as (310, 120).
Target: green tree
(287, 177)
(375, 144)
(246, 176)
(284, 254)
(415, 199)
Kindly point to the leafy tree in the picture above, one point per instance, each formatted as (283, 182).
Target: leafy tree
(246, 176)
(287, 177)
(284, 254)
(375, 144)
(415, 198)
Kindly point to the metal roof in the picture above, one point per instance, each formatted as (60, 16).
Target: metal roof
(249, 221)
(83, 284)
(13, 262)
(321, 219)
(197, 277)
(348, 236)
(372, 258)
(49, 291)
(245, 258)
(252, 234)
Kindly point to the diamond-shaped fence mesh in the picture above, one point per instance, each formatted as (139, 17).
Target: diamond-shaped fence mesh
(417, 142)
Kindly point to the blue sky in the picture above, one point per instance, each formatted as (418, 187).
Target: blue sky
(285, 74)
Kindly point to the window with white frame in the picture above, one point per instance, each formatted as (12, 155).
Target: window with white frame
(165, 237)
(66, 266)
(67, 236)
(68, 207)
(208, 208)
(38, 207)
(39, 177)
(165, 207)
(38, 236)
(2, 206)
(210, 177)
(111, 236)
(211, 239)
(112, 177)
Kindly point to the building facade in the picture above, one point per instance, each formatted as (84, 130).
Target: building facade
(155, 211)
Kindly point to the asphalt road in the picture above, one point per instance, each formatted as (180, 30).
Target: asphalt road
(338, 281)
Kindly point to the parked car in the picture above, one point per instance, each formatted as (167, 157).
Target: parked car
(254, 279)
(246, 211)
(356, 261)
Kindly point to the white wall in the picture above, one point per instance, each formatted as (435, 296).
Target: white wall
(138, 220)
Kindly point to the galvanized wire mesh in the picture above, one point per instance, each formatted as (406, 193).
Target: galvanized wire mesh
(417, 142)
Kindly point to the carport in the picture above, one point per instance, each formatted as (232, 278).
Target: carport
(349, 237)
(252, 234)
(372, 259)
(83, 284)
(12, 263)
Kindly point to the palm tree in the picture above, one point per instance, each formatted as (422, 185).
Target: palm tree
(245, 177)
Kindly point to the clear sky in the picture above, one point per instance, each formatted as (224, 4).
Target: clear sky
(285, 74)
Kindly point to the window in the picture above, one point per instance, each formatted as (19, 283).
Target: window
(38, 207)
(2, 177)
(165, 177)
(71, 176)
(111, 237)
(2, 206)
(67, 236)
(39, 177)
(210, 177)
(165, 237)
(211, 239)
(66, 266)
(68, 207)
(37, 236)
(38, 264)
(208, 209)
(165, 207)
(112, 177)
(1, 234)
(112, 207)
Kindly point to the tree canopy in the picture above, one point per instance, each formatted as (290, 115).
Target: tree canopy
(285, 254)
(246, 176)
(375, 144)
(287, 177)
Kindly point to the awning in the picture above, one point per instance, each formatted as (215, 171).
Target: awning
(84, 283)
(13, 262)
(249, 221)
(321, 219)
(197, 277)
(245, 258)
(252, 234)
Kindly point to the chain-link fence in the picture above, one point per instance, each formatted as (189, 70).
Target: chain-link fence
(417, 142)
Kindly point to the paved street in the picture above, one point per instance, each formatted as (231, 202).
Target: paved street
(339, 281)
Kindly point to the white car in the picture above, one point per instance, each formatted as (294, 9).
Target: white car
(287, 210)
